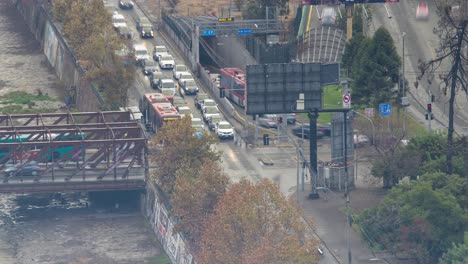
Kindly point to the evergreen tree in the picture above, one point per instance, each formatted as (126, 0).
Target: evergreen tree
(375, 70)
(256, 9)
(351, 51)
(458, 254)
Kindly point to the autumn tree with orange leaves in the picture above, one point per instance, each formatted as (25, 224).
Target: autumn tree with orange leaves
(190, 174)
(255, 223)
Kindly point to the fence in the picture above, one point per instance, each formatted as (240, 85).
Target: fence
(333, 176)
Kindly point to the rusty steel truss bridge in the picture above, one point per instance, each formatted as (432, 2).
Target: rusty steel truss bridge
(90, 151)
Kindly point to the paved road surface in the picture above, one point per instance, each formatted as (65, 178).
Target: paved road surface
(420, 44)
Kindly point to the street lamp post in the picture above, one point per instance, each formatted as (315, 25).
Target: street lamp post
(404, 80)
(372, 124)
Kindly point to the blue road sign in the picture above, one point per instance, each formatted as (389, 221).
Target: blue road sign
(208, 32)
(385, 109)
(244, 31)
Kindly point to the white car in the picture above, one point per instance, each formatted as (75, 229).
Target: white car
(118, 20)
(360, 140)
(185, 110)
(209, 111)
(197, 123)
(189, 86)
(178, 70)
(167, 87)
(185, 76)
(213, 121)
(328, 16)
(224, 130)
(141, 53)
(159, 51)
(206, 103)
(166, 61)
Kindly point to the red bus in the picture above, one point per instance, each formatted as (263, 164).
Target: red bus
(146, 107)
(161, 113)
(233, 82)
(149, 99)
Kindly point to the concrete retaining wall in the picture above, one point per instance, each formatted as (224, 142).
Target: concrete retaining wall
(83, 95)
(155, 207)
(233, 52)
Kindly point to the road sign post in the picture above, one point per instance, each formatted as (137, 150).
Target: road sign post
(369, 112)
(385, 109)
(346, 100)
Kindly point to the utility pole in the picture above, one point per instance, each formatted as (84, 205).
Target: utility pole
(403, 96)
(345, 157)
(349, 21)
(429, 115)
(456, 65)
(313, 114)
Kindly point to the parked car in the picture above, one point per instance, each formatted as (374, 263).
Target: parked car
(166, 62)
(141, 53)
(149, 66)
(154, 79)
(178, 101)
(126, 5)
(213, 121)
(146, 32)
(199, 99)
(291, 119)
(209, 111)
(298, 131)
(185, 110)
(224, 130)
(31, 168)
(360, 140)
(269, 121)
(189, 86)
(325, 129)
(118, 20)
(178, 70)
(159, 51)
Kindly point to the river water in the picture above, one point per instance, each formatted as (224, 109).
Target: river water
(71, 228)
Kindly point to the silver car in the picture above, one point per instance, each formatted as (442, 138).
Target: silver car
(270, 121)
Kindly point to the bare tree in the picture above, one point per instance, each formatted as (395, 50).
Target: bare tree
(452, 33)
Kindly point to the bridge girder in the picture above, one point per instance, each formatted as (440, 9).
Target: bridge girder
(113, 148)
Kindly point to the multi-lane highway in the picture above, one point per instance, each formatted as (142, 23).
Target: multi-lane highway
(420, 45)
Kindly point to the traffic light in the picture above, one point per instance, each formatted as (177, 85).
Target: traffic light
(222, 93)
(432, 98)
(280, 120)
(430, 115)
(429, 108)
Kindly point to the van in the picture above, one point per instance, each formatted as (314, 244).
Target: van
(328, 16)
(141, 53)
